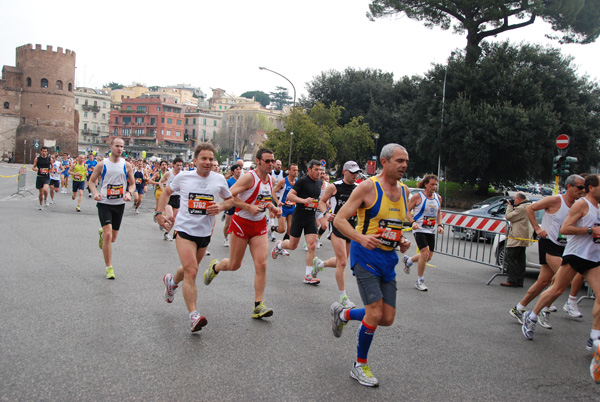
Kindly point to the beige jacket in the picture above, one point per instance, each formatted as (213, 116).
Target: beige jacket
(521, 228)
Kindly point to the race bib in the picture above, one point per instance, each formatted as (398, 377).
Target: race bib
(114, 191)
(389, 232)
(428, 221)
(289, 203)
(138, 180)
(596, 237)
(197, 203)
(312, 205)
(44, 171)
(263, 200)
(77, 177)
(561, 239)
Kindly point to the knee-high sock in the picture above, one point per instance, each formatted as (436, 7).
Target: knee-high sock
(365, 337)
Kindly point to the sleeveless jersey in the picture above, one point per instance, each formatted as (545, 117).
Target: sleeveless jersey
(79, 172)
(259, 194)
(170, 180)
(343, 191)
(286, 190)
(585, 246)
(114, 179)
(56, 174)
(139, 178)
(425, 214)
(278, 177)
(551, 223)
(43, 165)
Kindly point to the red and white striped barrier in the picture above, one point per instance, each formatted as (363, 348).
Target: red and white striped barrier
(474, 222)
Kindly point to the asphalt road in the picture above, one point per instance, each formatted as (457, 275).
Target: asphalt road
(69, 334)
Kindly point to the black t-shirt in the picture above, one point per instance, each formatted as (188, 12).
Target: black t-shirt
(43, 165)
(306, 187)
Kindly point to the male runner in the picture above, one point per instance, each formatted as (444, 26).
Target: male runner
(252, 194)
(155, 180)
(305, 194)
(199, 190)
(287, 206)
(141, 178)
(115, 172)
(42, 165)
(338, 192)
(90, 164)
(54, 178)
(427, 213)
(581, 255)
(236, 170)
(78, 170)
(172, 206)
(381, 205)
(66, 164)
(278, 174)
(551, 242)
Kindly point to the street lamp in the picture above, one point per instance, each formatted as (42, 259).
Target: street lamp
(293, 109)
(376, 158)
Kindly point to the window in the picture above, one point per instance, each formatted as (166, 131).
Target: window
(205, 122)
(152, 121)
(178, 122)
(128, 108)
(220, 107)
(44, 83)
(126, 131)
(59, 85)
(28, 81)
(168, 132)
(84, 114)
(178, 134)
(187, 122)
(214, 123)
(139, 121)
(141, 109)
(103, 104)
(194, 120)
(85, 102)
(70, 87)
(103, 116)
(117, 120)
(158, 108)
(95, 114)
(214, 134)
(77, 101)
(6, 105)
(204, 135)
(162, 119)
(95, 103)
(169, 121)
(139, 131)
(194, 133)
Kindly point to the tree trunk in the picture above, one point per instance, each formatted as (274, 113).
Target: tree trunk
(484, 184)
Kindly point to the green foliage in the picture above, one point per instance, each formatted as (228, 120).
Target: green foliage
(113, 85)
(259, 96)
(280, 98)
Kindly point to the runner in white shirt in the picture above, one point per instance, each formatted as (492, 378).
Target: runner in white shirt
(199, 191)
(54, 178)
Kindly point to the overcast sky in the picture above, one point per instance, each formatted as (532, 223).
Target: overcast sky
(222, 43)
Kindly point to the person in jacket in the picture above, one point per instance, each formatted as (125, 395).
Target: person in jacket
(516, 214)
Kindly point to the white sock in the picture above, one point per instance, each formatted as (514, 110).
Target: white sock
(520, 307)
(321, 264)
(343, 316)
(194, 314)
(409, 261)
(279, 245)
(595, 334)
(533, 316)
(172, 282)
(342, 294)
(308, 270)
(421, 278)
(572, 299)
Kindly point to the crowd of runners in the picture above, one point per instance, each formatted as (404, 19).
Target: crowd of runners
(364, 220)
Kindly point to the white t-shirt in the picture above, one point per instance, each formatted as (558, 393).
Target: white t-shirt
(197, 193)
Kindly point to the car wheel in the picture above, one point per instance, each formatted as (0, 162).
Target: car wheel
(500, 254)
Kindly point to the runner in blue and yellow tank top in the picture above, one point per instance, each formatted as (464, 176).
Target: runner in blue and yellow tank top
(381, 205)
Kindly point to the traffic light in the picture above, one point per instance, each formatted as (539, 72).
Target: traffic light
(185, 137)
(557, 164)
(566, 166)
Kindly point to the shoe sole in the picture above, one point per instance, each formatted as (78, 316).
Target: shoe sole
(566, 310)
(311, 282)
(515, 316)
(101, 241)
(206, 276)
(264, 315)
(199, 324)
(366, 384)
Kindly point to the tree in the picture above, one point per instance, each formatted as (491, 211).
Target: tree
(280, 98)
(577, 20)
(113, 85)
(259, 96)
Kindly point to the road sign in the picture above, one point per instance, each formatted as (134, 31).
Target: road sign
(562, 141)
(371, 167)
(323, 163)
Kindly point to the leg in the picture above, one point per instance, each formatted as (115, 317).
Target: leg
(311, 242)
(576, 285)
(425, 255)
(543, 280)
(259, 248)
(188, 255)
(592, 276)
(561, 280)
(237, 250)
(341, 250)
(107, 236)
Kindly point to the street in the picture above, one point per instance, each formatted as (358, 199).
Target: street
(70, 334)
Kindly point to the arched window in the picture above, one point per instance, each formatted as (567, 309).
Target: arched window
(44, 83)
(28, 81)
(59, 85)
(70, 87)
(6, 105)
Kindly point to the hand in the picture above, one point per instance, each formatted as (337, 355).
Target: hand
(255, 209)
(163, 222)
(213, 208)
(541, 232)
(330, 217)
(276, 212)
(309, 200)
(414, 225)
(440, 229)
(404, 245)
(98, 196)
(370, 242)
(127, 197)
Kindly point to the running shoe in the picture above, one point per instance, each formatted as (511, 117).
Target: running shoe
(101, 241)
(528, 325)
(308, 279)
(46, 202)
(284, 252)
(572, 309)
(544, 320)
(52, 202)
(315, 267)
(222, 217)
(137, 211)
(276, 250)
(595, 364)
(518, 314)
(197, 322)
(261, 311)
(110, 273)
(363, 375)
(167, 237)
(154, 218)
(169, 293)
(319, 245)
(420, 285)
(336, 322)
(305, 247)
(590, 344)
(73, 197)
(407, 265)
(552, 309)
(207, 252)
(210, 273)
(346, 303)
(41, 207)
(226, 243)
(78, 209)
(90, 195)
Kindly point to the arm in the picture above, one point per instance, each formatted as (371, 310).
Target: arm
(70, 171)
(131, 188)
(412, 204)
(152, 179)
(329, 192)
(293, 197)
(545, 203)
(160, 209)
(577, 211)
(279, 185)
(439, 218)
(94, 178)
(35, 168)
(244, 183)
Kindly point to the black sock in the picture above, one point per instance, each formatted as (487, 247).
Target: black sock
(257, 303)
(321, 231)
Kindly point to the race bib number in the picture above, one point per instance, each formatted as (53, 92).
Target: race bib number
(77, 177)
(596, 237)
(44, 171)
(198, 203)
(428, 221)
(312, 206)
(389, 232)
(561, 239)
(263, 201)
(289, 203)
(138, 180)
(114, 192)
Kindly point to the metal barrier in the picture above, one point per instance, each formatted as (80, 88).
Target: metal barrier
(21, 182)
(474, 238)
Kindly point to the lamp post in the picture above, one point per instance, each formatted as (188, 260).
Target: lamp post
(442, 119)
(293, 109)
(376, 158)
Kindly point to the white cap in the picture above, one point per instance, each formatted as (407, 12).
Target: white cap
(351, 167)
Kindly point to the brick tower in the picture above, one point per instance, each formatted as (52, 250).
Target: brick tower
(47, 105)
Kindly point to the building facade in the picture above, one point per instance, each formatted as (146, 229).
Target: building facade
(39, 91)
(94, 119)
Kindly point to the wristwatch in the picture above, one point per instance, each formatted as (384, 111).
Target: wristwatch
(590, 230)
(156, 213)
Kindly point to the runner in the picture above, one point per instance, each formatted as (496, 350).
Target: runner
(115, 173)
(155, 179)
(90, 164)
(287, 206)
(427, 213)
(66, 164)
(78, 170)
(236, 170)
(252, 194)
(551, 243)
(199, 189)
(54, 177)
(381, 205)
(172, 206)
(42, 165)
(338, 193)
(141, 178)
(278, 174)
(305, 194)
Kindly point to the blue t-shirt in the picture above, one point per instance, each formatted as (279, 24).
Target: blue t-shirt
(231, 182)
(90, 165)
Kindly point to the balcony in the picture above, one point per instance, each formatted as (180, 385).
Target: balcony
(87, 131)
(144, 135)
(90, 108)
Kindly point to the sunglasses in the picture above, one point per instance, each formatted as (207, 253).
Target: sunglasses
(268, 160)
(581, 187)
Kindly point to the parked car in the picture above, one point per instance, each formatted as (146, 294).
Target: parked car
(490, 201)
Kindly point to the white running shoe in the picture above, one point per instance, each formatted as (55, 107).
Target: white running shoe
(420, 285)
(407, 265)
(226, 243)
(572, 309)
(169, 293)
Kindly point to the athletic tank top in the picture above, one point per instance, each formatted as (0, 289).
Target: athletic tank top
(259, 194)
(425, 214)
(43, 165)
(586, 246)
(286, 189)
(139, 178)
(278, 177)
(114, 179)
(551, 223)
(384, 217)
(79, 172)
(342, 193)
